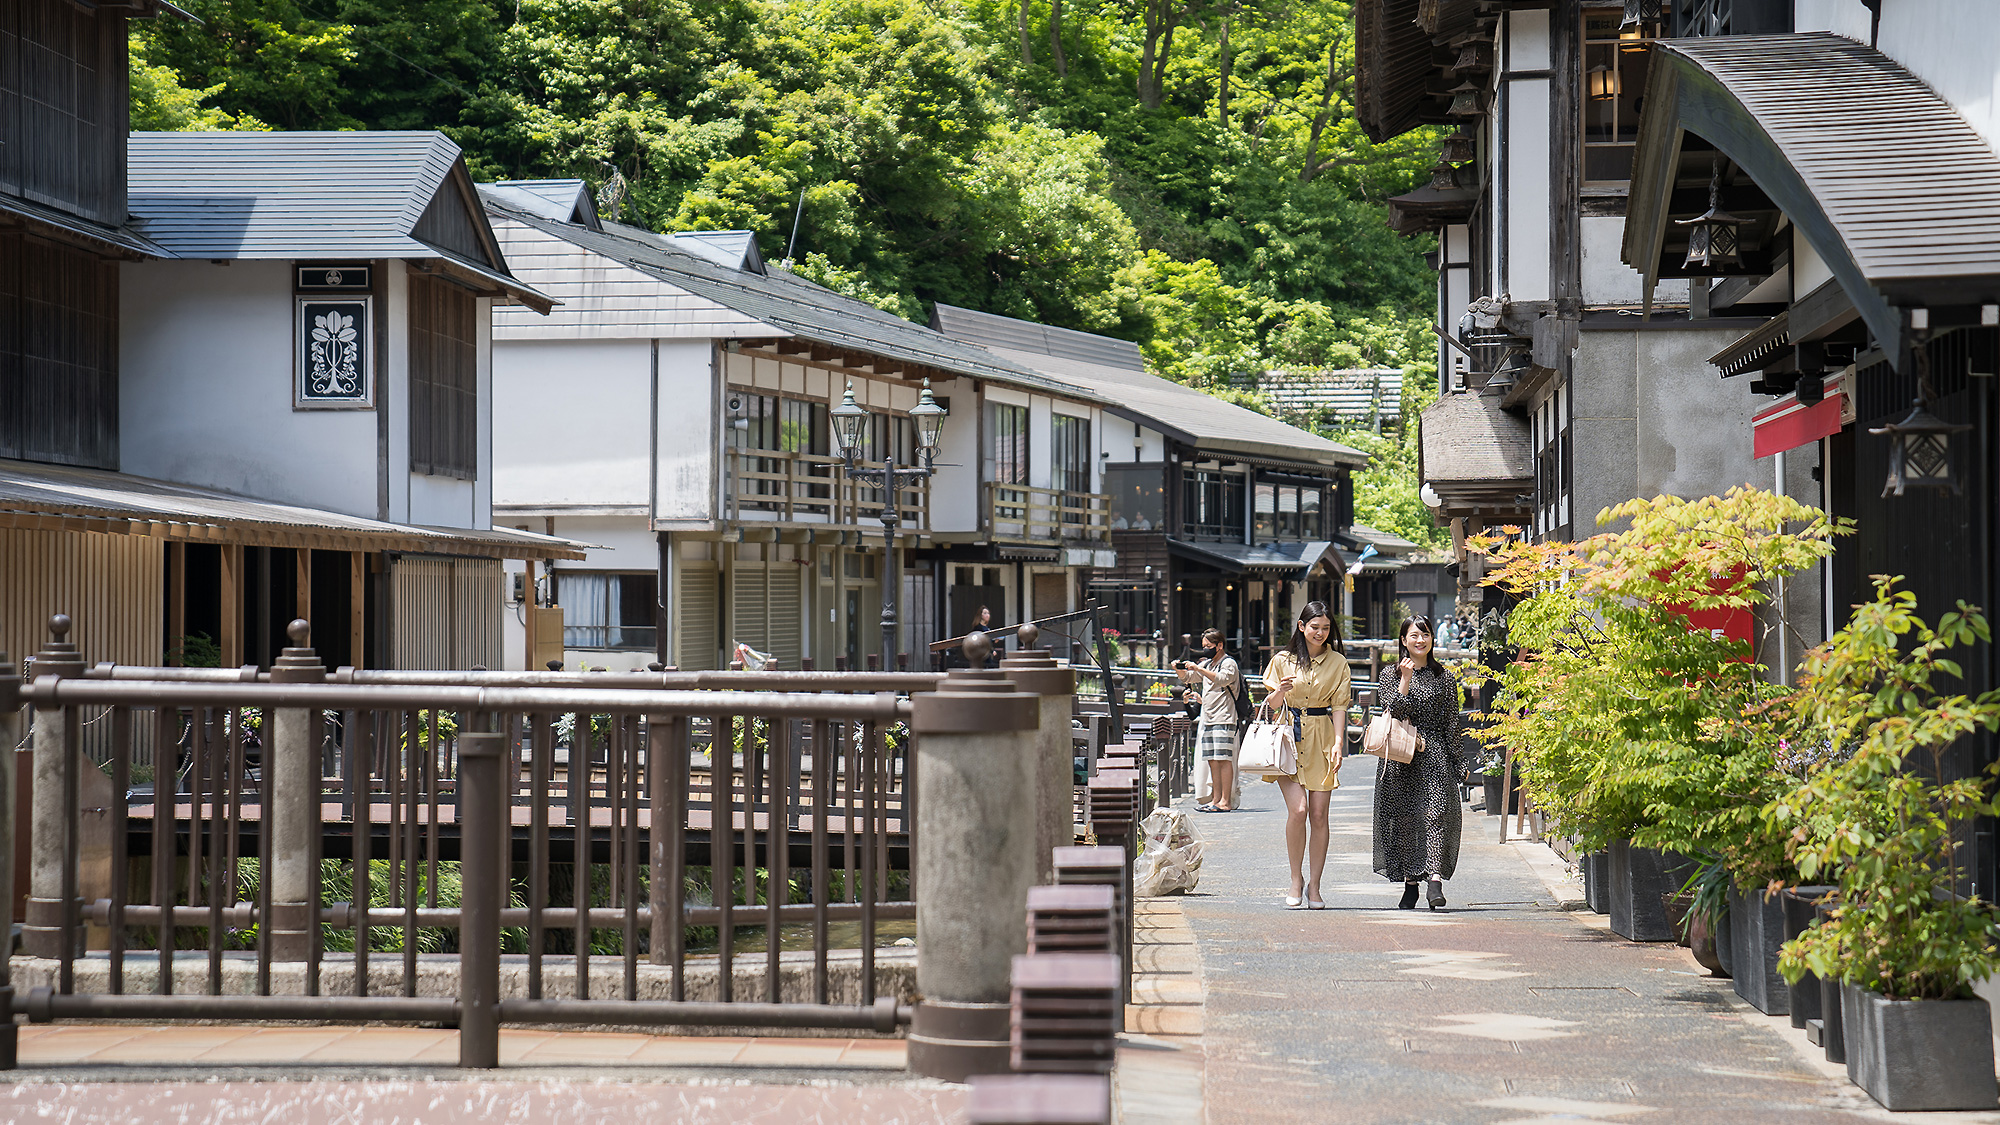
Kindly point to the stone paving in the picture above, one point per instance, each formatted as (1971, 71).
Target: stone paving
(1501, 1009)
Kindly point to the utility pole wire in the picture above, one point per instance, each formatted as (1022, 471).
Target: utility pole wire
(797, 212)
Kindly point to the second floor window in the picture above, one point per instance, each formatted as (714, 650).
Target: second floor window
(787, 425)
(1006, 443)
(608, 610)
(1212, 504)
(1069, 454)
(444, 379)
(1287, 513)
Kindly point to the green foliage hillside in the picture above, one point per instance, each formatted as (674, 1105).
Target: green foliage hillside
(1187, 174)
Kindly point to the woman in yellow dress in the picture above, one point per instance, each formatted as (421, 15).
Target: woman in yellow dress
(1309, 683)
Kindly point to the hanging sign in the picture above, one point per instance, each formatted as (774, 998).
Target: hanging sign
(334, 360)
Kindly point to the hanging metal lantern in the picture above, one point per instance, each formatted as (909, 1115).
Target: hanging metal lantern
(1713, 243)
(1920, 452)
(1920, 444)
(1458, 148)
(1466, 100)
(1444, 177)
(1637, 11)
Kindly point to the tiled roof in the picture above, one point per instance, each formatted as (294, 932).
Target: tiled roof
(786, 304)
(567, 201)
(307, 195)
(1114, 369)
(285, 195)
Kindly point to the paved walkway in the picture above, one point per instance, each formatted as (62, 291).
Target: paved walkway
(1502, 1008)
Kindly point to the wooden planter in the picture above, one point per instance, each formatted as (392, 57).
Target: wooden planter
(1639, 877)
(1920, 1054)
(1756, 931)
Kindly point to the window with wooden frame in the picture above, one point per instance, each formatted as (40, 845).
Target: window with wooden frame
(1615, 59)
(1006, 443)
(444, 379)
(608, 611)
(1069, 453)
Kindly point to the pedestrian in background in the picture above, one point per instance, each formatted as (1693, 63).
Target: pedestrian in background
(1309, 681)
(1418, 817)
(1218, 682)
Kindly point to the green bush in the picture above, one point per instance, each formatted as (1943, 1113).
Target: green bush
(1878, 812)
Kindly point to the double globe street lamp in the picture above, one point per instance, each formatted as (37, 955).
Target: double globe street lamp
(850, 434)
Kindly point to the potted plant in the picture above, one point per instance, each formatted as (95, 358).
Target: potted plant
(1636, 730)
(1880, 819)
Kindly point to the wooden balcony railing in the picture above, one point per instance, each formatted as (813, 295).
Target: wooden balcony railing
(1046, 515)
(779, 487)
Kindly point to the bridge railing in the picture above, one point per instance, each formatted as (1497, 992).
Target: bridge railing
(645, 854)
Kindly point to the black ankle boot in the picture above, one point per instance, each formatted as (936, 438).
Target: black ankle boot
(1409, 897)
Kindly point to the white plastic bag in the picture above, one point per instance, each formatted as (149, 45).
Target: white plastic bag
(1172, 859)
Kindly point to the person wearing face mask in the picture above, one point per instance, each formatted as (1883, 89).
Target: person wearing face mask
(1310, 686)
(1219, 683)
(1417, 815)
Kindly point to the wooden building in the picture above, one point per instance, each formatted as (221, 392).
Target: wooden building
(1568, 383)
(1858, 153)
(674, 413)
(204, 340)
(1221, 516)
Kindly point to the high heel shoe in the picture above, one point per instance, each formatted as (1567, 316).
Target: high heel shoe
(1292, 902)
(1313, 903)
(1409, 897)
(1434, 891)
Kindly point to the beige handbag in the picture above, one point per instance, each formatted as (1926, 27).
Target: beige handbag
(1393, 739)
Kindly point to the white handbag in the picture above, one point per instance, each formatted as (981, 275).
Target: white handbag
(1267, 746)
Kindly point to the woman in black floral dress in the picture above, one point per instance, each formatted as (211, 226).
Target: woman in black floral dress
(1417, 812)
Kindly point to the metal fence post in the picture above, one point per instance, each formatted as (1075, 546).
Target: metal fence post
(1035, 670)
(292, 777)
(50, 823)
(483, 854)
(976, 835)
(10, 737)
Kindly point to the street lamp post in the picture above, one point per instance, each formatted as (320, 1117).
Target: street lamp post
(850, 424)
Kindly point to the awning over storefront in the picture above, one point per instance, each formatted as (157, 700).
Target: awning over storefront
(1877, 173)
(1786, 425)
(62, 498)
(1292, 561)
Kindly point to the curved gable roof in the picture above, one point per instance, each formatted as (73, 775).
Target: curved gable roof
(1890, 185)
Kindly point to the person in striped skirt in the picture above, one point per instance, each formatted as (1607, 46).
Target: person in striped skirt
(1216, 681)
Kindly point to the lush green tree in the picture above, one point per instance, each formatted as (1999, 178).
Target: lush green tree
(161, 102)
(268, 60)
(1187, 174)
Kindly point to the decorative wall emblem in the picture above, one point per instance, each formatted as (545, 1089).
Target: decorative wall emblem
(334, 353)
(350, 276)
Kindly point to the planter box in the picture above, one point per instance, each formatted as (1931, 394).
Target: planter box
(1800, 905)
(1920, 1054)
(1756, 930)
(1832, 1032)
(1639, 876)
(1493, 802)
(1596, 876)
